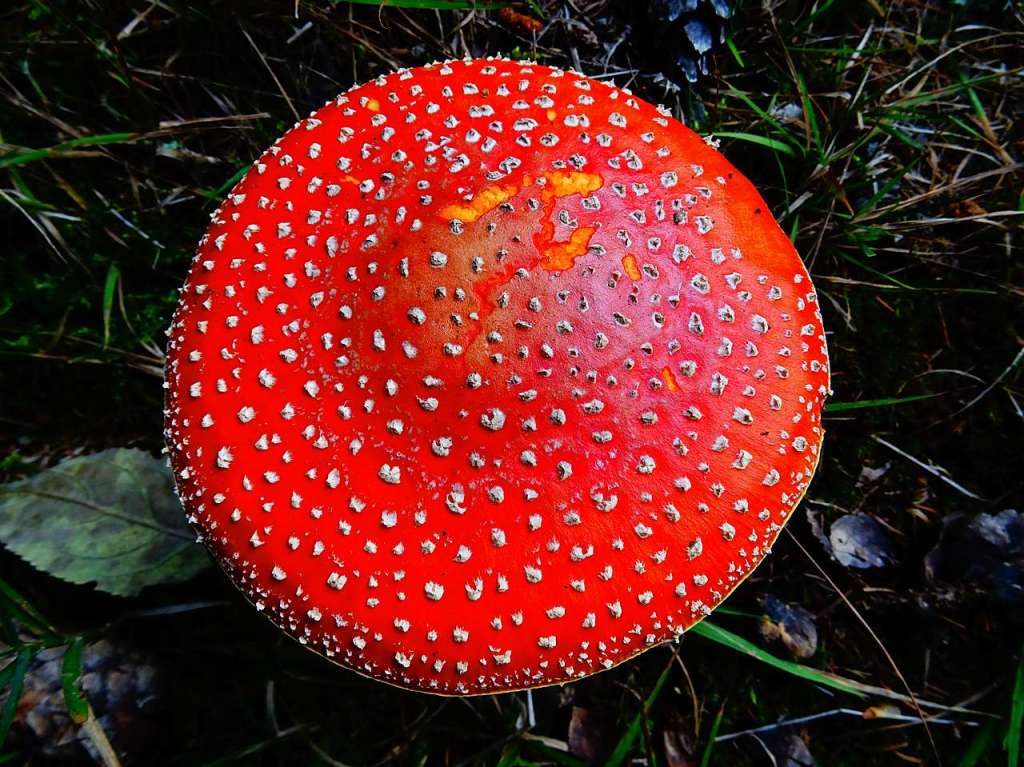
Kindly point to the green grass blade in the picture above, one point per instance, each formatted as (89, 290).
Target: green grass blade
(19, 608)
(26, 197)
(900, 135)
(725, 610)
(217, 195)
(537, 9)
(733, 641)
(113, 275)
(864, 404)
(6, 675)
(70, 671)
(753, 138)
(887, 187)
(979, 110)
(968, 129)
(939, 94)
(752, 105)
(19, 668)
(554, 756)
(735, 52)
(724, 637)
(812, 119)
(888, 277)
(510, 757)
(433, 5)
(21, 157)
(705, 759)
(625, 744)
(1012, 742)
(980, 744)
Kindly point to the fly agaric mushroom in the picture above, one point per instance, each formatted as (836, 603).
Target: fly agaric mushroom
(490, 376)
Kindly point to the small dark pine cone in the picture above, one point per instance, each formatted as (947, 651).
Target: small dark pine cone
(122, 688)
(680, 34)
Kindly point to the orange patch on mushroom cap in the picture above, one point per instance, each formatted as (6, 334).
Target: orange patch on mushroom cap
(670, 380)
(558, 184)
(559, 256)
(562, 184)
(487, 200)
(630, 265)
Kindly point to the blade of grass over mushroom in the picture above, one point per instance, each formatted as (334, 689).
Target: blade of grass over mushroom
(217, 194)
(865, 404)
(625, 745)
(726, 610)
(1013, 731)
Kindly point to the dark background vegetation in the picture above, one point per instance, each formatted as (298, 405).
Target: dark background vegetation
(886, 137)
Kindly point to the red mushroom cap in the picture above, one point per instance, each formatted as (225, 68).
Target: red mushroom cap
(490, 376)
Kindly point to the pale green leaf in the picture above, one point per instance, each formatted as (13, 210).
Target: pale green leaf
(111, 518)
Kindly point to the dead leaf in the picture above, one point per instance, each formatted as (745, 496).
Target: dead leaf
(111, 518)
(791, 626)
(858, 541)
